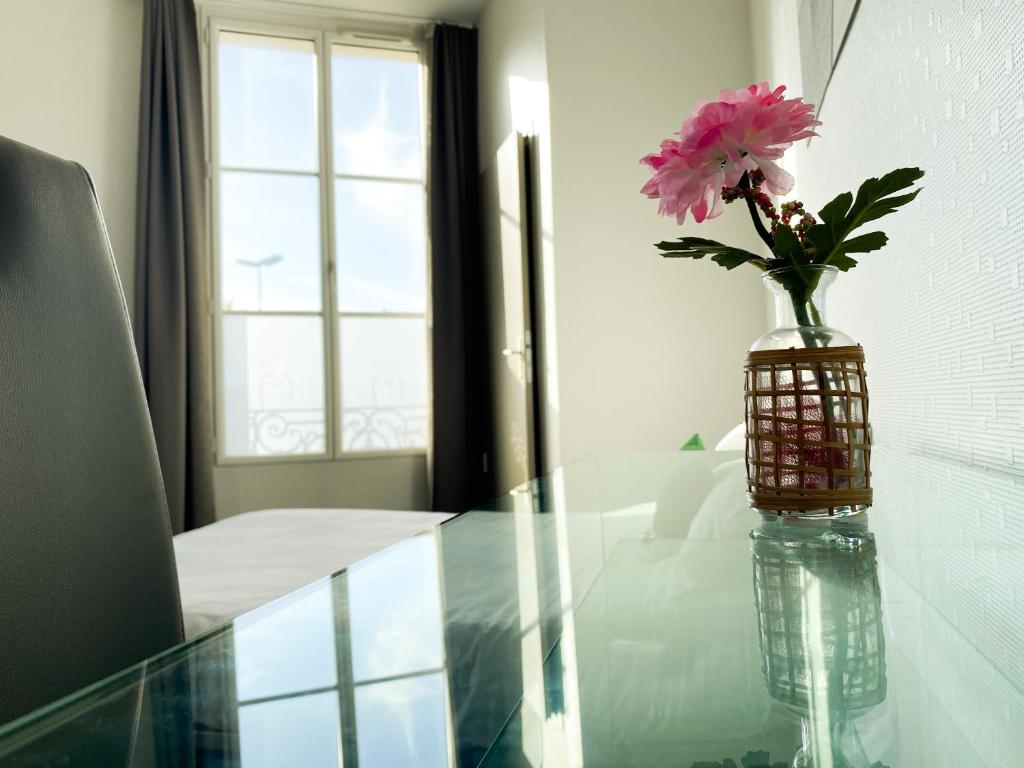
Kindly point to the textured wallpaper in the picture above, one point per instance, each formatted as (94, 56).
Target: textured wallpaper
(939, 311)
(954, 589)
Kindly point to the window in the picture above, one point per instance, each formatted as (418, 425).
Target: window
(319, 242)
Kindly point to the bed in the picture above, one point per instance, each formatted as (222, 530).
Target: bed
(245, 561)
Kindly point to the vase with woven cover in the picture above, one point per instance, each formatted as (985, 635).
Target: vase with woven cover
(808, 446)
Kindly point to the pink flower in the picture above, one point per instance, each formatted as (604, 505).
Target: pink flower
(743, 130)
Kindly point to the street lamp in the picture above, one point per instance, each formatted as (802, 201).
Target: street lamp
(258, 265)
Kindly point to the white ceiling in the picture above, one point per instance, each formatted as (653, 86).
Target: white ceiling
(464, 11)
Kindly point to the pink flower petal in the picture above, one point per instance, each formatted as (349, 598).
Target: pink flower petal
(743, 130)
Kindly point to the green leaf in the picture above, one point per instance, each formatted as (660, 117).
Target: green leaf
(734, 258)
(698, 248)
(872, 241)
(875, 198)
(820, 238)
(873, 190)
(836, 210)
(824, 236)
(695, 443)
(686, 244)
(888, 205)
(787, 247)
(843, 263)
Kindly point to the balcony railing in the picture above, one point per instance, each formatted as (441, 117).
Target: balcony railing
(290, 431)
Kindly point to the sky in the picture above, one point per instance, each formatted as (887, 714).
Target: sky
(270, 212)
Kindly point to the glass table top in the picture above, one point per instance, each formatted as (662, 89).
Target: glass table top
(628, 610)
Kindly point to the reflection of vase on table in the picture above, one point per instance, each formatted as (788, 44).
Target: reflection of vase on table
(820, 624)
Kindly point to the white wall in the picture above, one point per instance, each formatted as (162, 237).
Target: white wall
(512, 57)
(641, 352)
(649, 350)
(69, 85)
(939, 311)
(398, 482)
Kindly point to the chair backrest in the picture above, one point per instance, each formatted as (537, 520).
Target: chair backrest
(87, 577)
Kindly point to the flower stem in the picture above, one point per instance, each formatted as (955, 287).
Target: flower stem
(813, 310)
(762, 232)
(801, 304)
(807, 315)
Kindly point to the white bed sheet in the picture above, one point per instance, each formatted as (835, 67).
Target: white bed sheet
(245, 561)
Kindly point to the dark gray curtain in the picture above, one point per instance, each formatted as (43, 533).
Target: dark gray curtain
(171, 322)
(462, 410)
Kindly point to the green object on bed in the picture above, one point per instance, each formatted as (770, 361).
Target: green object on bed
(695, 443)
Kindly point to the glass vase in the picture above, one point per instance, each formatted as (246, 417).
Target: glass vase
(808, 441)
(800, 309)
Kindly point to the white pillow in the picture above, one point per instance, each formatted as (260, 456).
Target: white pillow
(733, 440)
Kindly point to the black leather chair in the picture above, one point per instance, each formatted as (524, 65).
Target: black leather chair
(87, 576)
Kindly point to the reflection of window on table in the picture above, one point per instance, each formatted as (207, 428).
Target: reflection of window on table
(358, 670)
(320, 248)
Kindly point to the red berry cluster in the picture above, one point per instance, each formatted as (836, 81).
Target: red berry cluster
(753, 192)
(796, 208)
(764, 203)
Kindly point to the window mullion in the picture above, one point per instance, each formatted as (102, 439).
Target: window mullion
(332, 352)
(371, 177)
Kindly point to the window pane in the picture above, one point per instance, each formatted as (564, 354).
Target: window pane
(273, 380)
(383, 383)
(270, 242)
(300, 731)
(395, 609)
(402, 722)
(381, 246)
(288, 650)
(267, 102)
(377, 120)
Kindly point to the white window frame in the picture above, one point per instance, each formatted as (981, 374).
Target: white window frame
(324, 30)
